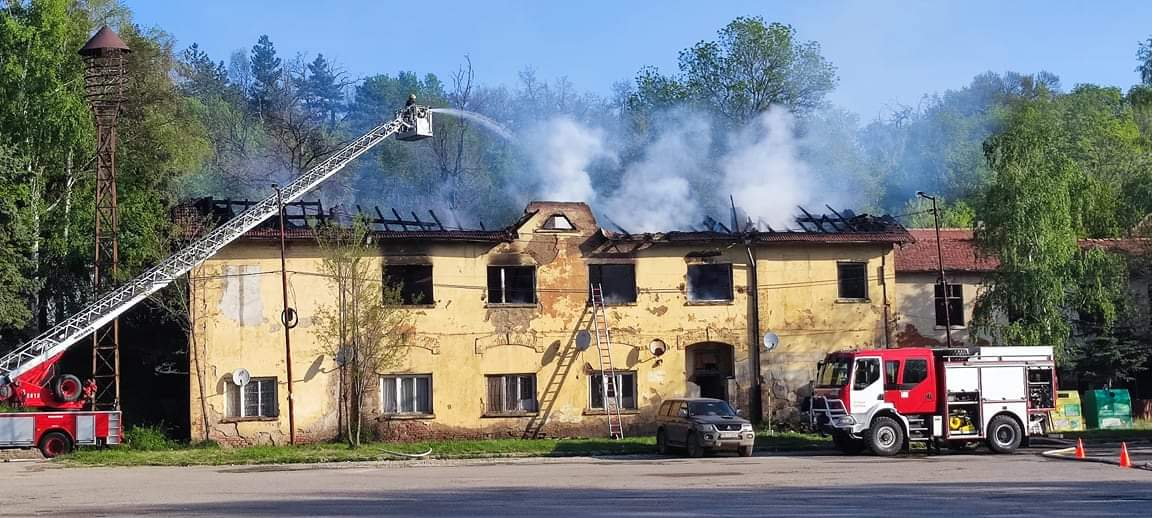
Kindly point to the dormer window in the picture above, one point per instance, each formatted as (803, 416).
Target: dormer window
(557, 222)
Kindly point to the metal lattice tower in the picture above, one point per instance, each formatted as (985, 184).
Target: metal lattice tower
(104, 82)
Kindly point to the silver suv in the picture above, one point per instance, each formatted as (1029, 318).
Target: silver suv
(702, 424)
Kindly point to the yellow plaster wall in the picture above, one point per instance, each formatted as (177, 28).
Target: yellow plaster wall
(460, 338)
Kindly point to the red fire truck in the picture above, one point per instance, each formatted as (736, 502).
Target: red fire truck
(886, 399)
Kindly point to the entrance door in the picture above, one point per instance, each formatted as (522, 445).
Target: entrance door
(867, 385)
(709, 366)
(917, 387)
(713, 386)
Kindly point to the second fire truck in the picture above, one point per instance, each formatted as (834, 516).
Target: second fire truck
(884, 400)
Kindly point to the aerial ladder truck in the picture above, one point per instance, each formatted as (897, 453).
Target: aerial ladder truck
(55, 415)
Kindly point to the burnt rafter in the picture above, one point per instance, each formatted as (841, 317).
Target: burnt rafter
(299, 214)
(833, 226)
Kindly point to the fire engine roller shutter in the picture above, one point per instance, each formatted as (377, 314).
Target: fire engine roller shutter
(17, 430)
(85, 429)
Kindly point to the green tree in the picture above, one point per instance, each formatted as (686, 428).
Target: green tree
(749, 67)
(1144, 56)
(364, 329)
(45, 126)
(200, 76)
(266, 93)
(17, 268)
(323, 91)
(1026, 222)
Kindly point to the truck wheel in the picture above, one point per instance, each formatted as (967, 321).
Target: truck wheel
(1003, 434)
(745, 451)
(53, 444)
(661, 442)
(847, 444)
(67, 388)
(695, 449)
(885, 437)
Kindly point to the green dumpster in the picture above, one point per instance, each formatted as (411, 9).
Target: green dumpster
(1108, 409)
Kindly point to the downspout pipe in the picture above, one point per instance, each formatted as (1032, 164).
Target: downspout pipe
(754, 332)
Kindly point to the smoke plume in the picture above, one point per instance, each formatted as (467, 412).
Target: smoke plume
(562, 151)
(682, 175)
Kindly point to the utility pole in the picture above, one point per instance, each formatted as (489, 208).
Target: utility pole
(940, 260)
(104, 82)
(287, 317)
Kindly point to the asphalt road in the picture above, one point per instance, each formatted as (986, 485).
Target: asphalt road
(826, 485)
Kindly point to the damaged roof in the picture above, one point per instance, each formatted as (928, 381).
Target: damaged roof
(837, 227)
(193, 216)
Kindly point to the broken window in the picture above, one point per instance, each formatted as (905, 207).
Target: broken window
(557, 222)
(709, 282)
(625, 387)
(511, 394)
(256, 399)
(406, 394)
(955, 305)
(511, 284)
(413, 280)
(617, 282)
(852, 278)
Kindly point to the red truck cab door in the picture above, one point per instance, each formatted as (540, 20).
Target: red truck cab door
(916, 391)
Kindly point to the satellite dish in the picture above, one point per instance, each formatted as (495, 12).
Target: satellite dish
(241, 377)
(657, 347)
(770, 341)
(583, 339)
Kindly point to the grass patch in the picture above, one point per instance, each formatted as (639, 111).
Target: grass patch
(209, 455)
(331, 452)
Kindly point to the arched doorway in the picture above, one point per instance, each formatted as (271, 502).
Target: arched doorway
(709, 365)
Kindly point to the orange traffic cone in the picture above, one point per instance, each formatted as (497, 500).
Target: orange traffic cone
(1125, 460)
(1079, 449)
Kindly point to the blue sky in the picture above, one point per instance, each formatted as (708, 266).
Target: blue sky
(887, 53)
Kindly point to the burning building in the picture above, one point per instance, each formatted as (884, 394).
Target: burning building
(498, 343)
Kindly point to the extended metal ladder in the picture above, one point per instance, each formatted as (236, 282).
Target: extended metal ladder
(608, 386)
(51, 343)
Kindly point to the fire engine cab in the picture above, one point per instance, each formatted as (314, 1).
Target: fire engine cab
(885, 399)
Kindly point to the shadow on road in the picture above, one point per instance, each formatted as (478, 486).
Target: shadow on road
(1048, 499)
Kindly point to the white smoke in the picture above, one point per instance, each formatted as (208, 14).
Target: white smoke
(562, 151)
(655, 193)
(760, 168)
(763, 172)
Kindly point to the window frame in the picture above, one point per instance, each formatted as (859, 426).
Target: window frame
(904, 372)
(545, 227)
(892, 368)
(856, 369)
(404, 302)
(236, 407)
(397, 381)
(503, 411)
(620, 374)
(841, 279)
(688, 289)
(503, 289)
(955, 301)
(635, 291)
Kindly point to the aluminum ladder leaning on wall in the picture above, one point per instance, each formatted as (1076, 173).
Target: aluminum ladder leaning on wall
(608, 389)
